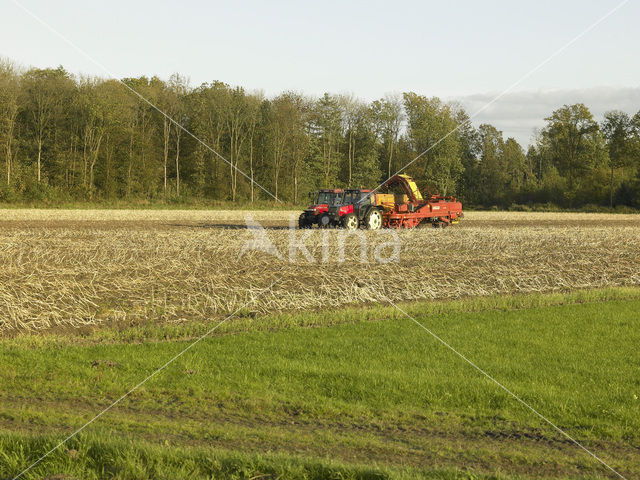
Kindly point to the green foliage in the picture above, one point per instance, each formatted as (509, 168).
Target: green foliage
(432, 133)
(573, 163)
(470, 147)
(575, 146)
(387, 115)
(67, 138)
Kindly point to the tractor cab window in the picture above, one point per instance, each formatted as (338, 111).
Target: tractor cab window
(364, 198)
(350, 197)
(325, 197)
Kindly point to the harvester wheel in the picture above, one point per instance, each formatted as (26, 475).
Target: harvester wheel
(373, 220)
(350, 221)
(324, 221)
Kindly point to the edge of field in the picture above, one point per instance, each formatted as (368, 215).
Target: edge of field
(245, 321)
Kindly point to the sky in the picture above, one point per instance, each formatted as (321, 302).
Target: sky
(465, 51)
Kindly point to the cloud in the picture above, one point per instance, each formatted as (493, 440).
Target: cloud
(519, 114)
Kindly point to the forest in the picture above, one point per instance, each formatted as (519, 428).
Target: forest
(71, 138)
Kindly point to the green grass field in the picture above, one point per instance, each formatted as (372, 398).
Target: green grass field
(354, 393)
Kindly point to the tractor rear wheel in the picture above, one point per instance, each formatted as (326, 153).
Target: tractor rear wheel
(350, 221)
(373, 219)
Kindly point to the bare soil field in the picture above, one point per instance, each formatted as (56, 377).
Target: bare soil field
(86, 267)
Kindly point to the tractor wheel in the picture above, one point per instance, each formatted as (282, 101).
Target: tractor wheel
(350, 221)
(373, 219)
(324, 221)
(302, 222)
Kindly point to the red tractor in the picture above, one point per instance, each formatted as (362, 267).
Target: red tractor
(317, 212)
(357, 208)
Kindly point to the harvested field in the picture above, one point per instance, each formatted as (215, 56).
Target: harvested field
(283, 217)
(80, 267)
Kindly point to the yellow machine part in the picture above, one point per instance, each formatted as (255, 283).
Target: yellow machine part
(411, 184)
(389, 201)
(385, 200)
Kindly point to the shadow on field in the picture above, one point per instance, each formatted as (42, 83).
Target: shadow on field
(230, 226)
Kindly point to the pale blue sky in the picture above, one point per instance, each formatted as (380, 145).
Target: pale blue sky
(467, 49)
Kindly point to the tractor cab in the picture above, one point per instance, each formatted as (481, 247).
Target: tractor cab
(356, 197)
(326, 197)
(348, 203)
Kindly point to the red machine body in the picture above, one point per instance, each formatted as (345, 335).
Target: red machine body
(440, 211)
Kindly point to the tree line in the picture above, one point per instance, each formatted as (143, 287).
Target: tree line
(70, 138)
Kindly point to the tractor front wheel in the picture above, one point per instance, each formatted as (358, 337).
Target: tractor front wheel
(373, 220)
(350, 221)
(302, 222)
(324, 221)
